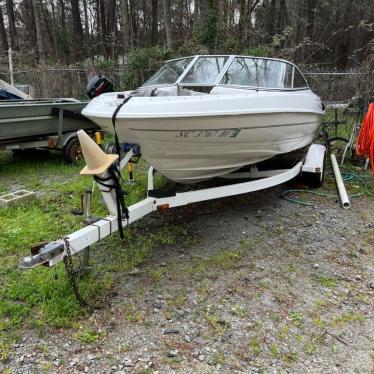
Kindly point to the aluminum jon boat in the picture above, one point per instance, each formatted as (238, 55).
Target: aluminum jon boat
(205, 116)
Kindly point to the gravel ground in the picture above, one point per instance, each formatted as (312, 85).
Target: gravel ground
(255, 284)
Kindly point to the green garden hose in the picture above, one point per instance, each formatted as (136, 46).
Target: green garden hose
(346, 176)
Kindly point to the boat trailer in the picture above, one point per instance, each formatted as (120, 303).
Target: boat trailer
(99, 164)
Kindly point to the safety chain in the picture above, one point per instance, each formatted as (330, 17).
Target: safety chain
(72, 275)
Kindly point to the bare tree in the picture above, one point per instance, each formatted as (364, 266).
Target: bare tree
(77, 29)
(39, 34)
(168, 29)
(3, 36)
(12, 24)
(125, 22)
(154, 30)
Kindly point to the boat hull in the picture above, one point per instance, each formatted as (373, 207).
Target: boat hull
(188, 150)
(189, 139)
(26, 119)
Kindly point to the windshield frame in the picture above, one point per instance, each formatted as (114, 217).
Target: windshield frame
(225, 68)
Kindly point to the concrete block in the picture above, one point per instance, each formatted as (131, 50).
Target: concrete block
(17, 197)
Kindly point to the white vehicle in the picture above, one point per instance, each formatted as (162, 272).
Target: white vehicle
(205, 116)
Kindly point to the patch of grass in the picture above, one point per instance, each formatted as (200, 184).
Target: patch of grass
(133, 313)
(284, 332)
(297, 318)
(255, 346)
(318, 322)
(42, 297)
(320, 303)
(348, 317)
(218, 358)
(328, 282)
(238, 310)
(290, 357)
(310, 348)
(88, 336)
(217, 322)
(224, 259)
(265, 283)
(157, 274)
(274, 350)
(145, 371)
(179, 299)
(4, 352)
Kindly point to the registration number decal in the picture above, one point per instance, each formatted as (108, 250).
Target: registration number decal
(225, 133)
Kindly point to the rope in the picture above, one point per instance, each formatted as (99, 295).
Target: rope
(365, 140)
(346, 176)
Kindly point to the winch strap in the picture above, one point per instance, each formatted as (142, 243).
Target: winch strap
(114, 117)
(122, 209)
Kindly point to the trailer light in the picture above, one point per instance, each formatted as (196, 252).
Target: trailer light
(98, 137)
(318, 170)
(163, 207)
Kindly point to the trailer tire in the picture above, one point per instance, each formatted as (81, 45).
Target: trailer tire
(72, 151)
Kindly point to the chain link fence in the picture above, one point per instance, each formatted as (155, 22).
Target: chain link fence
(68, 82)
(341, 86)
(59, 82)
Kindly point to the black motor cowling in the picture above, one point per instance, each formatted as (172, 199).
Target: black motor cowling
(97, 85)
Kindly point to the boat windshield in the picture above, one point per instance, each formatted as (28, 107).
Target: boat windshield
(239, 71)
(205, 70)
(169, 72)
(266, 73)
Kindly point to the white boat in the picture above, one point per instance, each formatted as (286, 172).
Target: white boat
(205, 116)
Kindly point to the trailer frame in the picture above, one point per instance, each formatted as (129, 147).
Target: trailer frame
(54, 252)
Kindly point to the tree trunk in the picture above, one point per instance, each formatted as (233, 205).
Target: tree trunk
(111, 31)
(41, 51)
(154, 30)
(271, 20)
(242, 20)
(103, 27)
(250, 10)
(125, 21)
(3, 36)
(77, 28)
(195, 11)
(12, 24)
(168, 29)
(282, 16)
(86, 23)
(39, 34)
(310, 15)
(62, 15)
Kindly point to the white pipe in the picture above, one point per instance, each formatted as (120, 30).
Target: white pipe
(340, 184)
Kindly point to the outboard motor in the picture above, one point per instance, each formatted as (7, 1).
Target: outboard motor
(97, 85)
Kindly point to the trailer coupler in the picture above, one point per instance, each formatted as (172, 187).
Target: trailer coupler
(46, 253)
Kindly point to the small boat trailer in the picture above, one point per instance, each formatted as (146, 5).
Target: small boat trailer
(52, 253)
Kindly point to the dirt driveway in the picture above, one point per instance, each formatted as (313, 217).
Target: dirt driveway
(254, 284)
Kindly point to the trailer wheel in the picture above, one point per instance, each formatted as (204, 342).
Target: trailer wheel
(72, 151)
